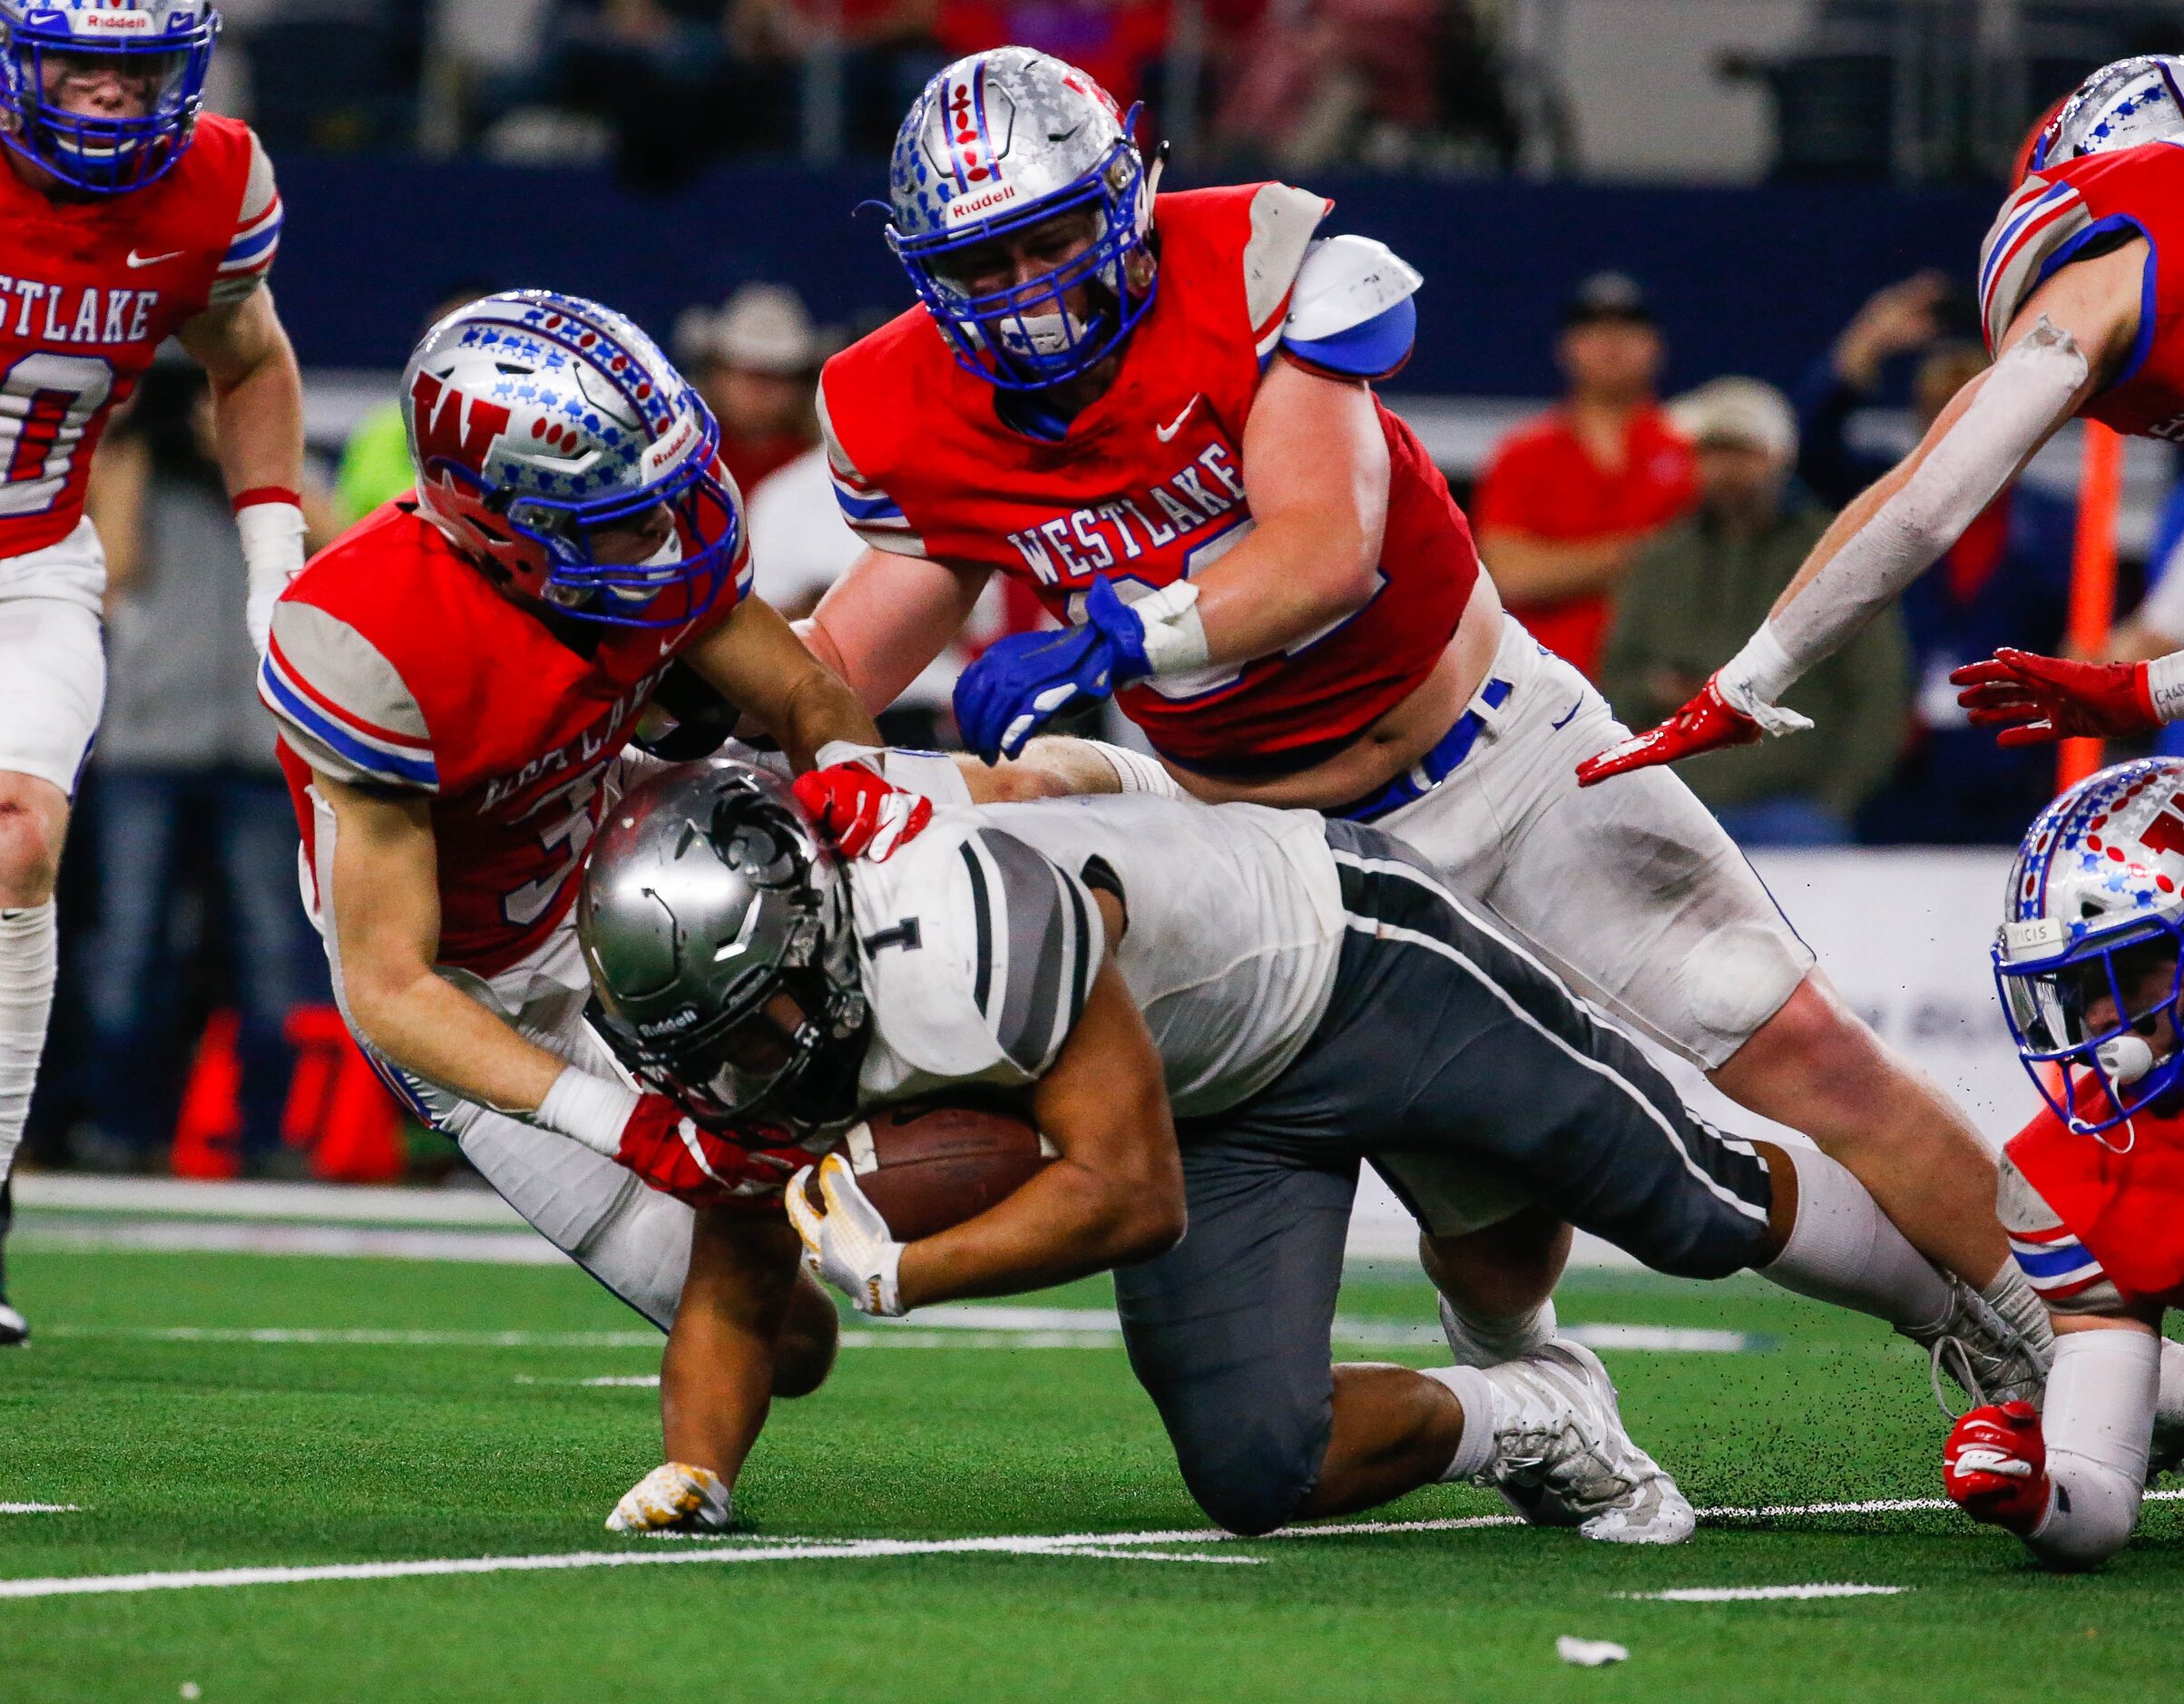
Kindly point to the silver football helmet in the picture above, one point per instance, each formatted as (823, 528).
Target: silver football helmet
(717, 931)
(2122, 105)
(997, 143)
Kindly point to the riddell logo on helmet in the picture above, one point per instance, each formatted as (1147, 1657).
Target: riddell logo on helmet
(451, 426)
(965, 206)
(114, 23)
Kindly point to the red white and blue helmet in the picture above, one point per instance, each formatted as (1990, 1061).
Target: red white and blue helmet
(170, 39)
(2122, 105)
(536, 418)
(2096, 900)
(998, 142)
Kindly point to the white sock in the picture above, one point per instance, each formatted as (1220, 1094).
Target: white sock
(1489, 1342)
(1843, 1249)
(1476, 1450)
(2097, 1419)
(28, 954)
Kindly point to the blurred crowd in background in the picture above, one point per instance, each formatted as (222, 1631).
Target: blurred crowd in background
(1642, 534)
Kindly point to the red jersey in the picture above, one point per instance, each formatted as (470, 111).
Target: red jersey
(1149, 485)
(1543, 480)
(396, 665)
(89, 289)
(2052, 216)
(2121, 1213)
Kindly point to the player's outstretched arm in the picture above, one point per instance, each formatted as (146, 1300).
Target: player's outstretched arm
(258, 419)
(2029, 699)
(2070, 340)
(1114, 1195)
(755, 660)
(883, 621)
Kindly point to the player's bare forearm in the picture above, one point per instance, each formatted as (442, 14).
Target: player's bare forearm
(1535, 570)
(717, 1377)
(1317, 467)
(257, 392)
(1052, 765)
(883, 621)
(1114, 1195)
(386, 924)
(755, 660)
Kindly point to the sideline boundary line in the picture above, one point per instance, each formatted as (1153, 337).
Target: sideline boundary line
(1151, 1546)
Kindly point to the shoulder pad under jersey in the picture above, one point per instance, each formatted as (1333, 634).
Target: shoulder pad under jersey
(2042, 223)
(978, 954)
(1351, 313)
(342, 706)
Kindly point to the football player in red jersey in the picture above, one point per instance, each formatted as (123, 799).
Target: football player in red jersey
(1095, 382)
(2092, 1190)
(125, 218)
(456, 680)
(2082, 318)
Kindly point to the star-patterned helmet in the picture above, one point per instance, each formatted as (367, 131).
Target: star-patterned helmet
(165, 46)
(2095, 920)
(2122, 105)
(542, 426)
(996, 143)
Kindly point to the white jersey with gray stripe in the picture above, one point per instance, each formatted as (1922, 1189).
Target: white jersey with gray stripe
(980, 940)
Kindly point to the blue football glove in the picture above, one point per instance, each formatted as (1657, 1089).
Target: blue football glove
(1023, 681)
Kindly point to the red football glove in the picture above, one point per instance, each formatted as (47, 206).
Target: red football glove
(2035, 700)
(865, 814)
(1995, 1467)
(1706, 723)
(681, 1157)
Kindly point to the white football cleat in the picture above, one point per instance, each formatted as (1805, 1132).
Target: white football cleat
(13, 1328)
(674, 1497)
(1987, 1357)
(1563, 1459)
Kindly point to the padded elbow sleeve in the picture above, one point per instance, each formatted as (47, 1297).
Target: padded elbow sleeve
(2025, 394)
(2097, 1422)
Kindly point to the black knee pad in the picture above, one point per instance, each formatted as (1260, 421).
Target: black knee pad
(1253, 1478)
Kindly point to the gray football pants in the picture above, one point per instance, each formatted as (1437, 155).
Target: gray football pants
(1447, 1052)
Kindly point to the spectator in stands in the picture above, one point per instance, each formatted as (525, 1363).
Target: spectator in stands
(1566, 504)
(2007, 582)
(757, 364)
(1115, 41)
(1392, 83)
(191, 819)
(659, 72)
(1703, 581)
(885, 48)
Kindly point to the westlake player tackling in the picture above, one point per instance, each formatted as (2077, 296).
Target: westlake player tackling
(1156, 411)
(1214, 1015)
(456, 681)
(2084, 321)
(2090, 964)
(126, 216)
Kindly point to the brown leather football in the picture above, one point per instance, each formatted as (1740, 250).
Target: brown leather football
(927, 1167)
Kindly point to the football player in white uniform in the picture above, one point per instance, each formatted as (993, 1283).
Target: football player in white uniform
(1215, 1015)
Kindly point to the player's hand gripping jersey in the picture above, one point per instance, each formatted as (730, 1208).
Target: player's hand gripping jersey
(1148, 485)
(91, 288)
(395, 664)
(2082, 205)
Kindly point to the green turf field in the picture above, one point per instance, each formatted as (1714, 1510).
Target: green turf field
(221, 1452)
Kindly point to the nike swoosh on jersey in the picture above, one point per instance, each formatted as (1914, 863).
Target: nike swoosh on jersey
(1176, 425)
(136, 259)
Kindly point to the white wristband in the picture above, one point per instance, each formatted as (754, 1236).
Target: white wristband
(836, 752)
(933, 774)
(272, 553)
(1135, 772)
(2165, 685)
(588, 1109)
(1175, 633)
(1756, 677)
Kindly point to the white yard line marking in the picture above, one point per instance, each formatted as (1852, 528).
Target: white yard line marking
(367, 1337)
(1756, 1594)
(1157, 1545)
(39, 1508)
(182, 1236)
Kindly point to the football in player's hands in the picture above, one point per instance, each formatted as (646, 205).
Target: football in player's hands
(929, 1167)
